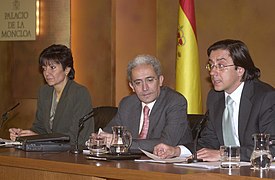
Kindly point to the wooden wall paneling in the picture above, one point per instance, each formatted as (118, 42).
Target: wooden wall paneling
(91, 45)
(20, 63)
(135, 34)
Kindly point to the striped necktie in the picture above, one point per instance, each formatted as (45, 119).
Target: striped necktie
(145, 127)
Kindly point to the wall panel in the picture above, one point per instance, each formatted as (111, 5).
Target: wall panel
(19, 64)
(91, 46)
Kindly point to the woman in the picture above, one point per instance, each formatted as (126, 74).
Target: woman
(61, 102)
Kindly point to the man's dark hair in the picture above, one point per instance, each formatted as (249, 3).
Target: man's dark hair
(238, 51)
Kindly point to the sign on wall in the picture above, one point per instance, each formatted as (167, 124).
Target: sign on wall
(17, 20)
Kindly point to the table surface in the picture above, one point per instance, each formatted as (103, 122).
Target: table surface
(67, 162)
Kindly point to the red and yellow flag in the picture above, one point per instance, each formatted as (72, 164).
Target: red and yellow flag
(187, 67)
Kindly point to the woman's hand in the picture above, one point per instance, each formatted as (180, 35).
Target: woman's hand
(17, 132)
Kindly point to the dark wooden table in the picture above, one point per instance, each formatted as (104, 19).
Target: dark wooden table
(18, 164)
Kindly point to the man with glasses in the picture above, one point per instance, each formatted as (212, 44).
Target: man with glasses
(154, 114)
(239, 106)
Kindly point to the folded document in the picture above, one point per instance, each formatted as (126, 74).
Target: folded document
(207, 165)
(156, 159)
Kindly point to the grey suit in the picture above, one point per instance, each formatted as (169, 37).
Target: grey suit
(168, 120)
(256, 115)
(74, 103)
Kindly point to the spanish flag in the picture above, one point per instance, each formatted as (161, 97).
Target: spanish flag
(187, 66)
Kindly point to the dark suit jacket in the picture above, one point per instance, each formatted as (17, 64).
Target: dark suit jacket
(74, 103)
(256, 115)
(167, 122)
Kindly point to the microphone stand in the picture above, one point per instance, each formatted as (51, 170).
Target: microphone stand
(76, 150)
(5, 116)
(272, 140)
(200, 127)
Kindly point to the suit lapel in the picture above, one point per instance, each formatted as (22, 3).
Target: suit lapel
(219, 107)
(245, 108)
(152, 118)
(61, 105)
(135, 120)
(154, 114)
(48, 104)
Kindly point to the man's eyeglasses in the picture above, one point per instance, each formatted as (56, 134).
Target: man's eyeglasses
(219, 67)
(148, 81)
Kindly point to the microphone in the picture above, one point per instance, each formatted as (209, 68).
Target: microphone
(76, 150)
(199, 128)
(5, 116)
(272, 140)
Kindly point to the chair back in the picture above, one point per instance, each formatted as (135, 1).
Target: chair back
(103, 115)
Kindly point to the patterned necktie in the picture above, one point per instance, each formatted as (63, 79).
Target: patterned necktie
(145, 127)
(227, 123)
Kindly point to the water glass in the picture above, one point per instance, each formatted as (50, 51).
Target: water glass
(230, 156)
(97, 145)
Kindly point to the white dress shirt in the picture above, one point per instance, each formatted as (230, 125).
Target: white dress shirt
(236, 96)
(150, 106)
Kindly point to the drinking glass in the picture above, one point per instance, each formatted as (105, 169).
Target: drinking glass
(230, 156)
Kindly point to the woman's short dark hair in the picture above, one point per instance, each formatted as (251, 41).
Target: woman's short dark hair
(238, 51)
(60, 54)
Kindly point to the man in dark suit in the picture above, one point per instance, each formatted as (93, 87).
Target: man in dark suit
(167, 108)
(233, 74)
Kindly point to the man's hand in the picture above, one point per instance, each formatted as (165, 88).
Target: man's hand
(108, 137)
(166, 151)
(17, 132)
(208, 154)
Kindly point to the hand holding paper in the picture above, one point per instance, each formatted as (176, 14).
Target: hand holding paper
(106, 135)
(154, 158)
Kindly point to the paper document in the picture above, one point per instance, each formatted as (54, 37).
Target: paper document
(156, 159)
(203, 165)
(99, 131)
(7, 142)
(207, 165)
(272, 166)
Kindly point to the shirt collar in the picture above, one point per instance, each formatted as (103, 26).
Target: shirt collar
(236, 95)
(149, 105)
